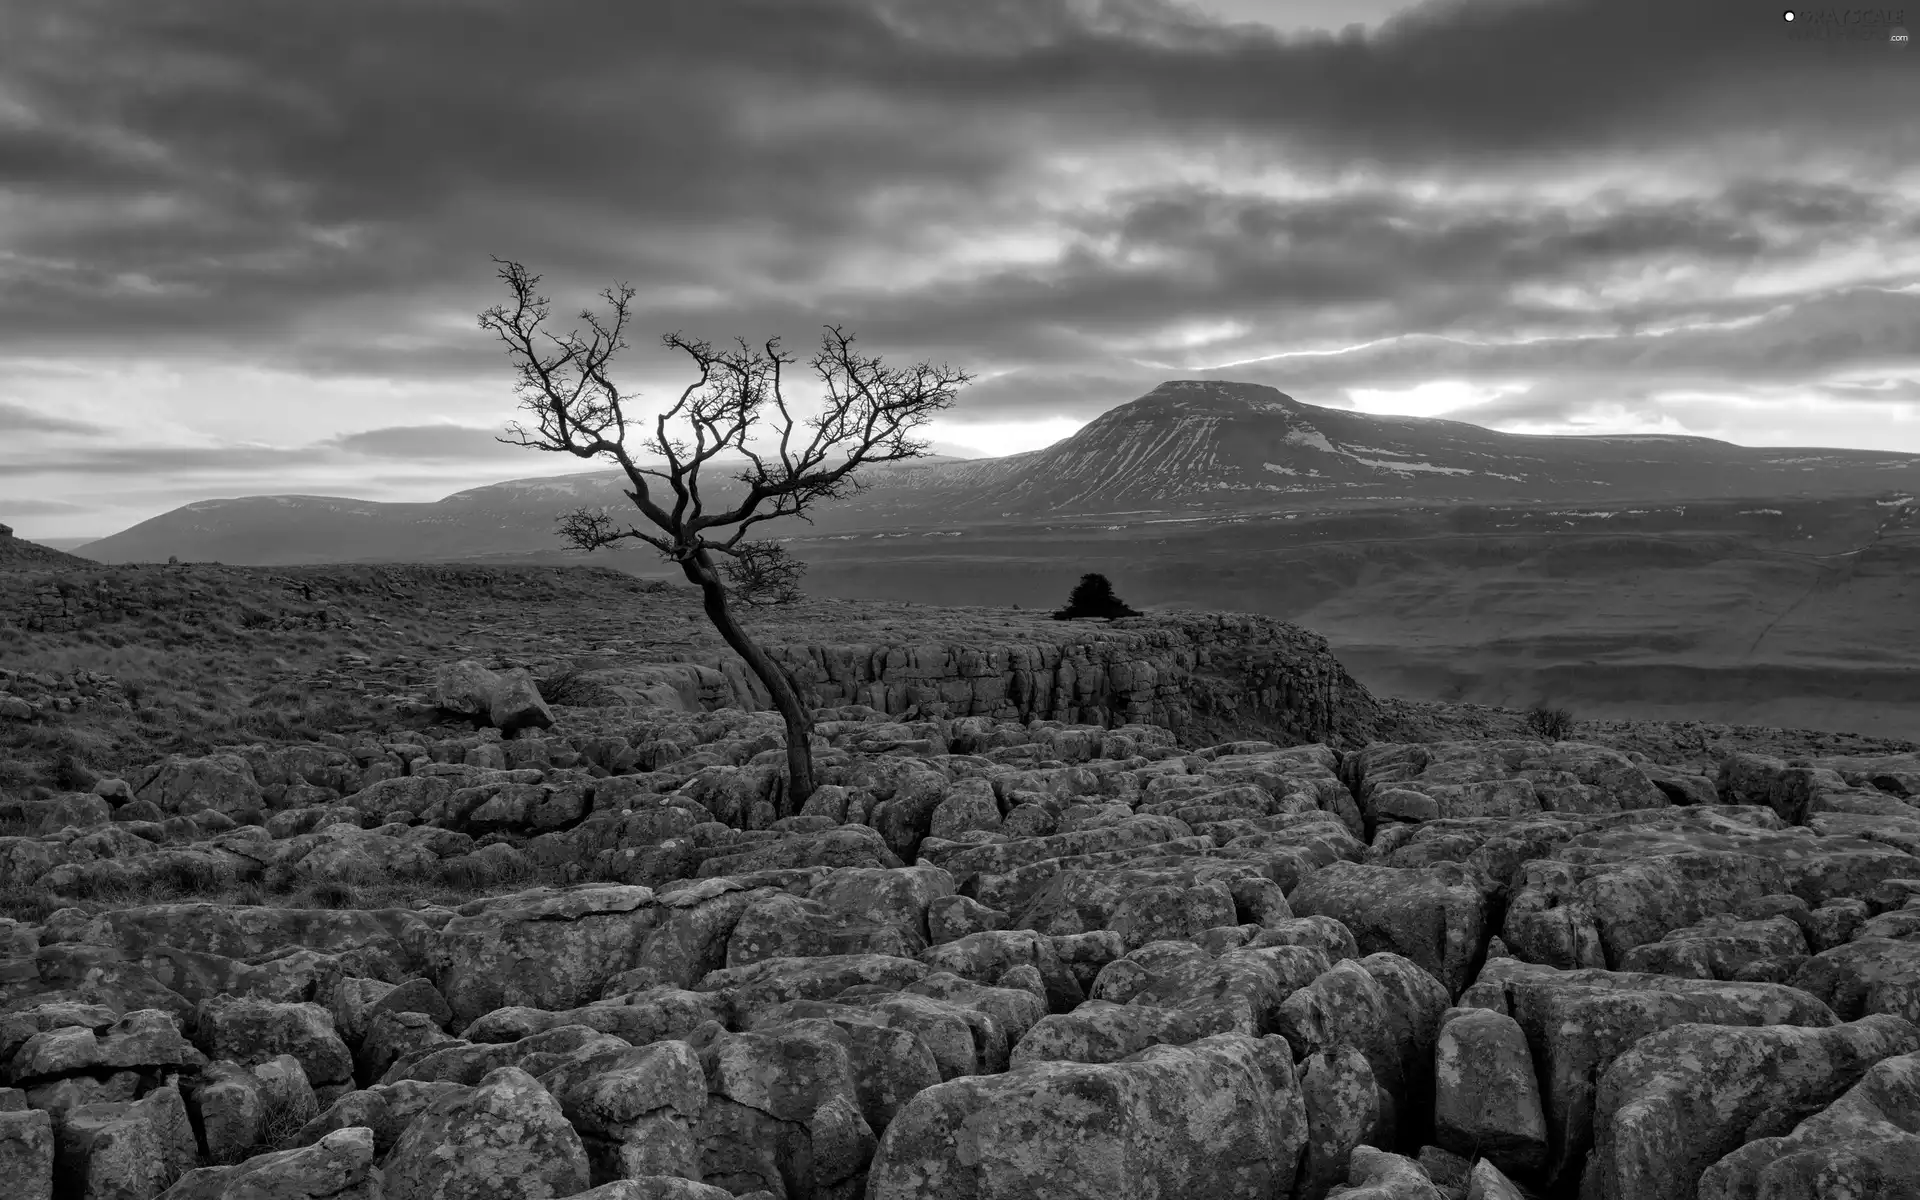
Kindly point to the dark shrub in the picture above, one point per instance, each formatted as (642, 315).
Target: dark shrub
(568, 686)
(1550, 724)
(1093, 597)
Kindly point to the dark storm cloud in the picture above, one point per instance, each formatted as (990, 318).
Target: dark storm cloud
(20, 419)
(156, 459)
(1758, 343)
(429, 443)
(1221, 256)
(1797, 343)
(430, 446)
(297, 182)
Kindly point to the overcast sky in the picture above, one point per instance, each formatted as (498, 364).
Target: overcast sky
(243, 242)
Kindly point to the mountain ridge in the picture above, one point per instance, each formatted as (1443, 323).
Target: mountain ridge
(1187, 445)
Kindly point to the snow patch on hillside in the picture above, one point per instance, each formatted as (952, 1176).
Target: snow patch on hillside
(1310, 437)
(1382, 464)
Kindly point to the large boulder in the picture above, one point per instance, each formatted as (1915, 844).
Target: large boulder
(1486, 1094)
(222, 782)
(548, 948)
(509, 701)
(1578, 1022)
(1865, 1144)
(27, 1152)
(1342, 1102)
(1682, 1098)
(251, 1032)
(1436, 916)
(506, 1139)
(1222, 1117)
(339, 1166)
(783, 1112)
(634, 1107)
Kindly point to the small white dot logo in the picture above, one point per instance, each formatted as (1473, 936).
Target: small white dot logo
(1789, 16)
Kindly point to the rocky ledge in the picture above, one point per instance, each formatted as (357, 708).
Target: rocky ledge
(1208, 676)
(990, 959)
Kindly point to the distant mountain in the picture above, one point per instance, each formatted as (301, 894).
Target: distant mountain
(68, 544)
(1188, 445)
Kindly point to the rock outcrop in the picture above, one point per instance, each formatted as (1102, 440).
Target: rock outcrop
(989, 958)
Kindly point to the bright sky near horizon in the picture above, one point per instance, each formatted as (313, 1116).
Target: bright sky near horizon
(243, 242)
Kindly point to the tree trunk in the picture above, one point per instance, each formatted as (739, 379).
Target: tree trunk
(786, 697)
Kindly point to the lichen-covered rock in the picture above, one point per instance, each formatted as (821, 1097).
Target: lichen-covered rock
(222, 782)
(387, 1109)
(950, 918)
(655, 1187)
(776, 980)
(466, 1063)
(1100, 1031)
(252, 933)
(984, 957)
(1605, 892)
(634, 1108)
(1015, 1009)
(1343, 1107)
(963, 1039)
(899, 896)
(506, 1139)
(1682, 1098)
(1865, 1144)
(1435, 916)
(1488, 1182)
(890, 1064)
(1145, 903)
(145, 1039)
(1867, 975)
(546, 948)
(231, 1107)
(782, 1112)
(1719, 948)
(964, 862)
(1094, 912)
(250, 1032)
(354, 1001)
(124, 1148)
(780, 925)
(1379, 1175)
(1486, 1095)
(1566, 777)
(648, 1015)
(337, 1167)
(27, 1152)
(969, 804)
(514, 703)
(1578, 1022)
(1382, 1005)
(1221, 1117)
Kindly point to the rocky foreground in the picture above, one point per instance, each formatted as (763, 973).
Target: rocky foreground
(991, 958)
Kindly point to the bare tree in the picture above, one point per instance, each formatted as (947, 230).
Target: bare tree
(869, 412)
(764, 573)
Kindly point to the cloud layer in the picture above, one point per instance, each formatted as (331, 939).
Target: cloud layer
(243, 240)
